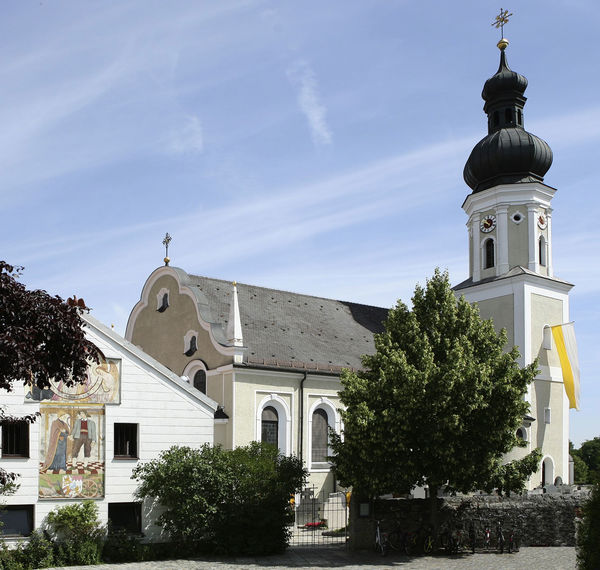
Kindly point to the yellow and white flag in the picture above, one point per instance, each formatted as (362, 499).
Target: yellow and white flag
(566, 345)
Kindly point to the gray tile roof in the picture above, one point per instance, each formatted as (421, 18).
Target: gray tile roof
(291, 330)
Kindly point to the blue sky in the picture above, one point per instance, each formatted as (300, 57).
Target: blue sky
(316, 147)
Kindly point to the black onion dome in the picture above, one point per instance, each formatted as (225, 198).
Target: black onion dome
(508, 154)
(505, 82)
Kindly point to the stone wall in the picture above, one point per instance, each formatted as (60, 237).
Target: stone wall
(539, 520)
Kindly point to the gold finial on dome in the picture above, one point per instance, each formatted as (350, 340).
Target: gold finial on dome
(502, 18)
(234, 283)
(502, 44)
(166, 243)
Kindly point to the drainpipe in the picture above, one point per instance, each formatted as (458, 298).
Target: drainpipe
(300, 446)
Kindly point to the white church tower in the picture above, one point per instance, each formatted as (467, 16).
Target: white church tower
(511, 274)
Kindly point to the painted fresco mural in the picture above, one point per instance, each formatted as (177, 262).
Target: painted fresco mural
(102, 386)
(72, 432)
(71, 452)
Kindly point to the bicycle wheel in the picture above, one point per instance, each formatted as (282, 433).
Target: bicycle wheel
(428, 544)
(394, 540)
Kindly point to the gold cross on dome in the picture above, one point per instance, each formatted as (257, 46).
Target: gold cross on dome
(501, 19)
(166, 243)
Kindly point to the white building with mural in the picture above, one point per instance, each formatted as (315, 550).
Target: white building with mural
(89, 437)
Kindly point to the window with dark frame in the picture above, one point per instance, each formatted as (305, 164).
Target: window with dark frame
(126, 444)
(270, 426)
(15, 438)
(319, 436)
(125, 516)
(16, 520)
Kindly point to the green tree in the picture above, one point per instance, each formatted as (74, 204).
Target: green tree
(590, 453)
(438, 403)
(234, 501)
(41, 338)
(588, 533)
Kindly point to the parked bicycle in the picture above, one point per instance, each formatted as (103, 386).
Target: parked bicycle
(381, 539)
(487, 537)
(500, 537)
(472, 536)
(513, 541)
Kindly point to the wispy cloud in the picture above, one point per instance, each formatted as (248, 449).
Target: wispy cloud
(304, 79)
(188, 139)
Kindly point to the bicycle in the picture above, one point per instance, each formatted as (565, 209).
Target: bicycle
(381, 539)
(487, 539)
(472, 536)
(501, 539)
(513, 542)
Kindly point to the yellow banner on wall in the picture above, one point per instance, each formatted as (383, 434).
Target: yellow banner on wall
(566, 345)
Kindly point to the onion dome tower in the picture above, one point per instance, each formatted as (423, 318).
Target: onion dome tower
(508, 154)
(511, 276)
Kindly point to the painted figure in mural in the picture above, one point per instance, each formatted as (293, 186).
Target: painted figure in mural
(84, 435)
(56, 454)
(108, 373)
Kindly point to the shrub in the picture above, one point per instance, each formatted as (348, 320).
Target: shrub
(588, 536)
(77, 533)
(38, 552)
(228, 501)
(120, 546)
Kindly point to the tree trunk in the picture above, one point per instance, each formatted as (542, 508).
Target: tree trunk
(433, 510)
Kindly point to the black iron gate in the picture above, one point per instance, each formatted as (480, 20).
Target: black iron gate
(319, 519)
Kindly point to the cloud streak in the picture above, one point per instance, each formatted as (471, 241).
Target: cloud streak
(188, 139)
(301, 76)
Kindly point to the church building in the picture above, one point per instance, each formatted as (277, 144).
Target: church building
(272, 359)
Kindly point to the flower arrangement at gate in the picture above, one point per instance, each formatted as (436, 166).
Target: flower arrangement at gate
(316, 525)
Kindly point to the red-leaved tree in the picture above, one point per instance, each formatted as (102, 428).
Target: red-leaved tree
(41, 338)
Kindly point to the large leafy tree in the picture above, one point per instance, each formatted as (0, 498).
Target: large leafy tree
(438, 403)
(41, 338)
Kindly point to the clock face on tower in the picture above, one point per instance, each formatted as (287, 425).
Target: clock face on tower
(487, 224)
(542, 222)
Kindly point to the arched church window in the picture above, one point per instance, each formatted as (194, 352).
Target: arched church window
(496, 118)
(270, 426)
(200, 381)
(488, 253)
(319, 436)
(520, 117)
(508, 116)
(542, 250)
